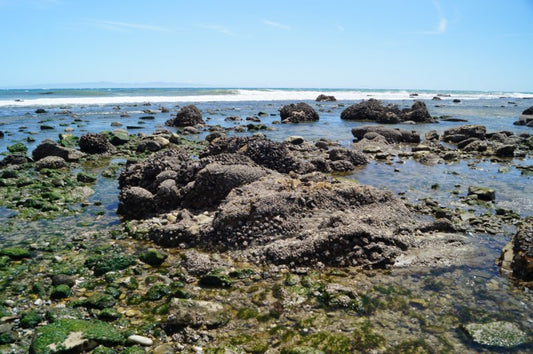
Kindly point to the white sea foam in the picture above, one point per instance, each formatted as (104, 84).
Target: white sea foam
(255, 95)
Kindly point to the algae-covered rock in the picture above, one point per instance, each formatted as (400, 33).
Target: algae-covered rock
(30, 319)
(15, 252)
(17, 148)
(482, 193)
(106, 263)
(60, 292)
(69, 335)
(196, 313)
(496, 334)
(97, 301)
(153, 257)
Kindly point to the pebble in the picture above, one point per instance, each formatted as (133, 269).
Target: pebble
(141, 340)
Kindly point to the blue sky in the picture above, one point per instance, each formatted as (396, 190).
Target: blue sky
(411, 44)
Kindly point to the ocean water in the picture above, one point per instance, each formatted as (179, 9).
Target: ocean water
(476, 285)
(94, 110)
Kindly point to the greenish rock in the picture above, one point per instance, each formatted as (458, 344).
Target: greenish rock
(103, 350)
(46, 127)
(85, 177)
(9, 174)
(134, 350)
(496, 334)
(301, 350)
(69, 335)
(97, 301)
(55, 314)
(215, 280)
(15, 252)
(68, 140)
(60, 292)
(119, 137)
(196, 313)
(102, 264)
(482, 193)
(30, 319)
(18, 147)
(113, 292)
(4, 261)
(157, 292)
(153, 257)
(6, 338)
(109, 314)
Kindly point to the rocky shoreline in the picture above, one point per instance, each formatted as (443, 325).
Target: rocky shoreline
(247, 244)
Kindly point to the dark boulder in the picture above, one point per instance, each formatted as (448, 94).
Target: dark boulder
(528, 111)
(463, 132)
(373, 110)
(14, 159)
(355, 157)
(40, 111)
(390, 134)
(51, 162)
(95, 144)
(298, 112)
(522, 264)
(325, 98)
(216, 180)
(135, 202)
(187, 116)
(50, 148)
(418, 113)
(264, 152)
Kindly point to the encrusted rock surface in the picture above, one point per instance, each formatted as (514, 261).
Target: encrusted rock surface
(298, 112)
(259, 201)
(373, 110)
(187, 116)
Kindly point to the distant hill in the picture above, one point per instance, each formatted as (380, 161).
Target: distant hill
(109, 84)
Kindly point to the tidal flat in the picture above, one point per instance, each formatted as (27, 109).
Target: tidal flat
(320, 263)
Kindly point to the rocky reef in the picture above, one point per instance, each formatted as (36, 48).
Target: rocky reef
(373, 110)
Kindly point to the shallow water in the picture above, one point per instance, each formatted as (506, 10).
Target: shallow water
(472, 290)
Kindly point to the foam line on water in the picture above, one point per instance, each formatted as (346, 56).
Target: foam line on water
(252, 95)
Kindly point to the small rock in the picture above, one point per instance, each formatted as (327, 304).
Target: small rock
(141, 340)
(482, 193)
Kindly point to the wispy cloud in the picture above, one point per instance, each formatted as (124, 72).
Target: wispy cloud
(443, 22)
(276, 25)
(126, 26)
(220, 29)
(340, 28)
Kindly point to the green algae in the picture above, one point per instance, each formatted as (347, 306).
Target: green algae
(102, 264)
(153, 257)
(51, 338)
(60, 292)
(15, 252)
(30, 319)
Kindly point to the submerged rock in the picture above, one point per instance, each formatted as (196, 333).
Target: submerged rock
(196, 314)
(297, 113)
(496, 334)
(187, 116)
